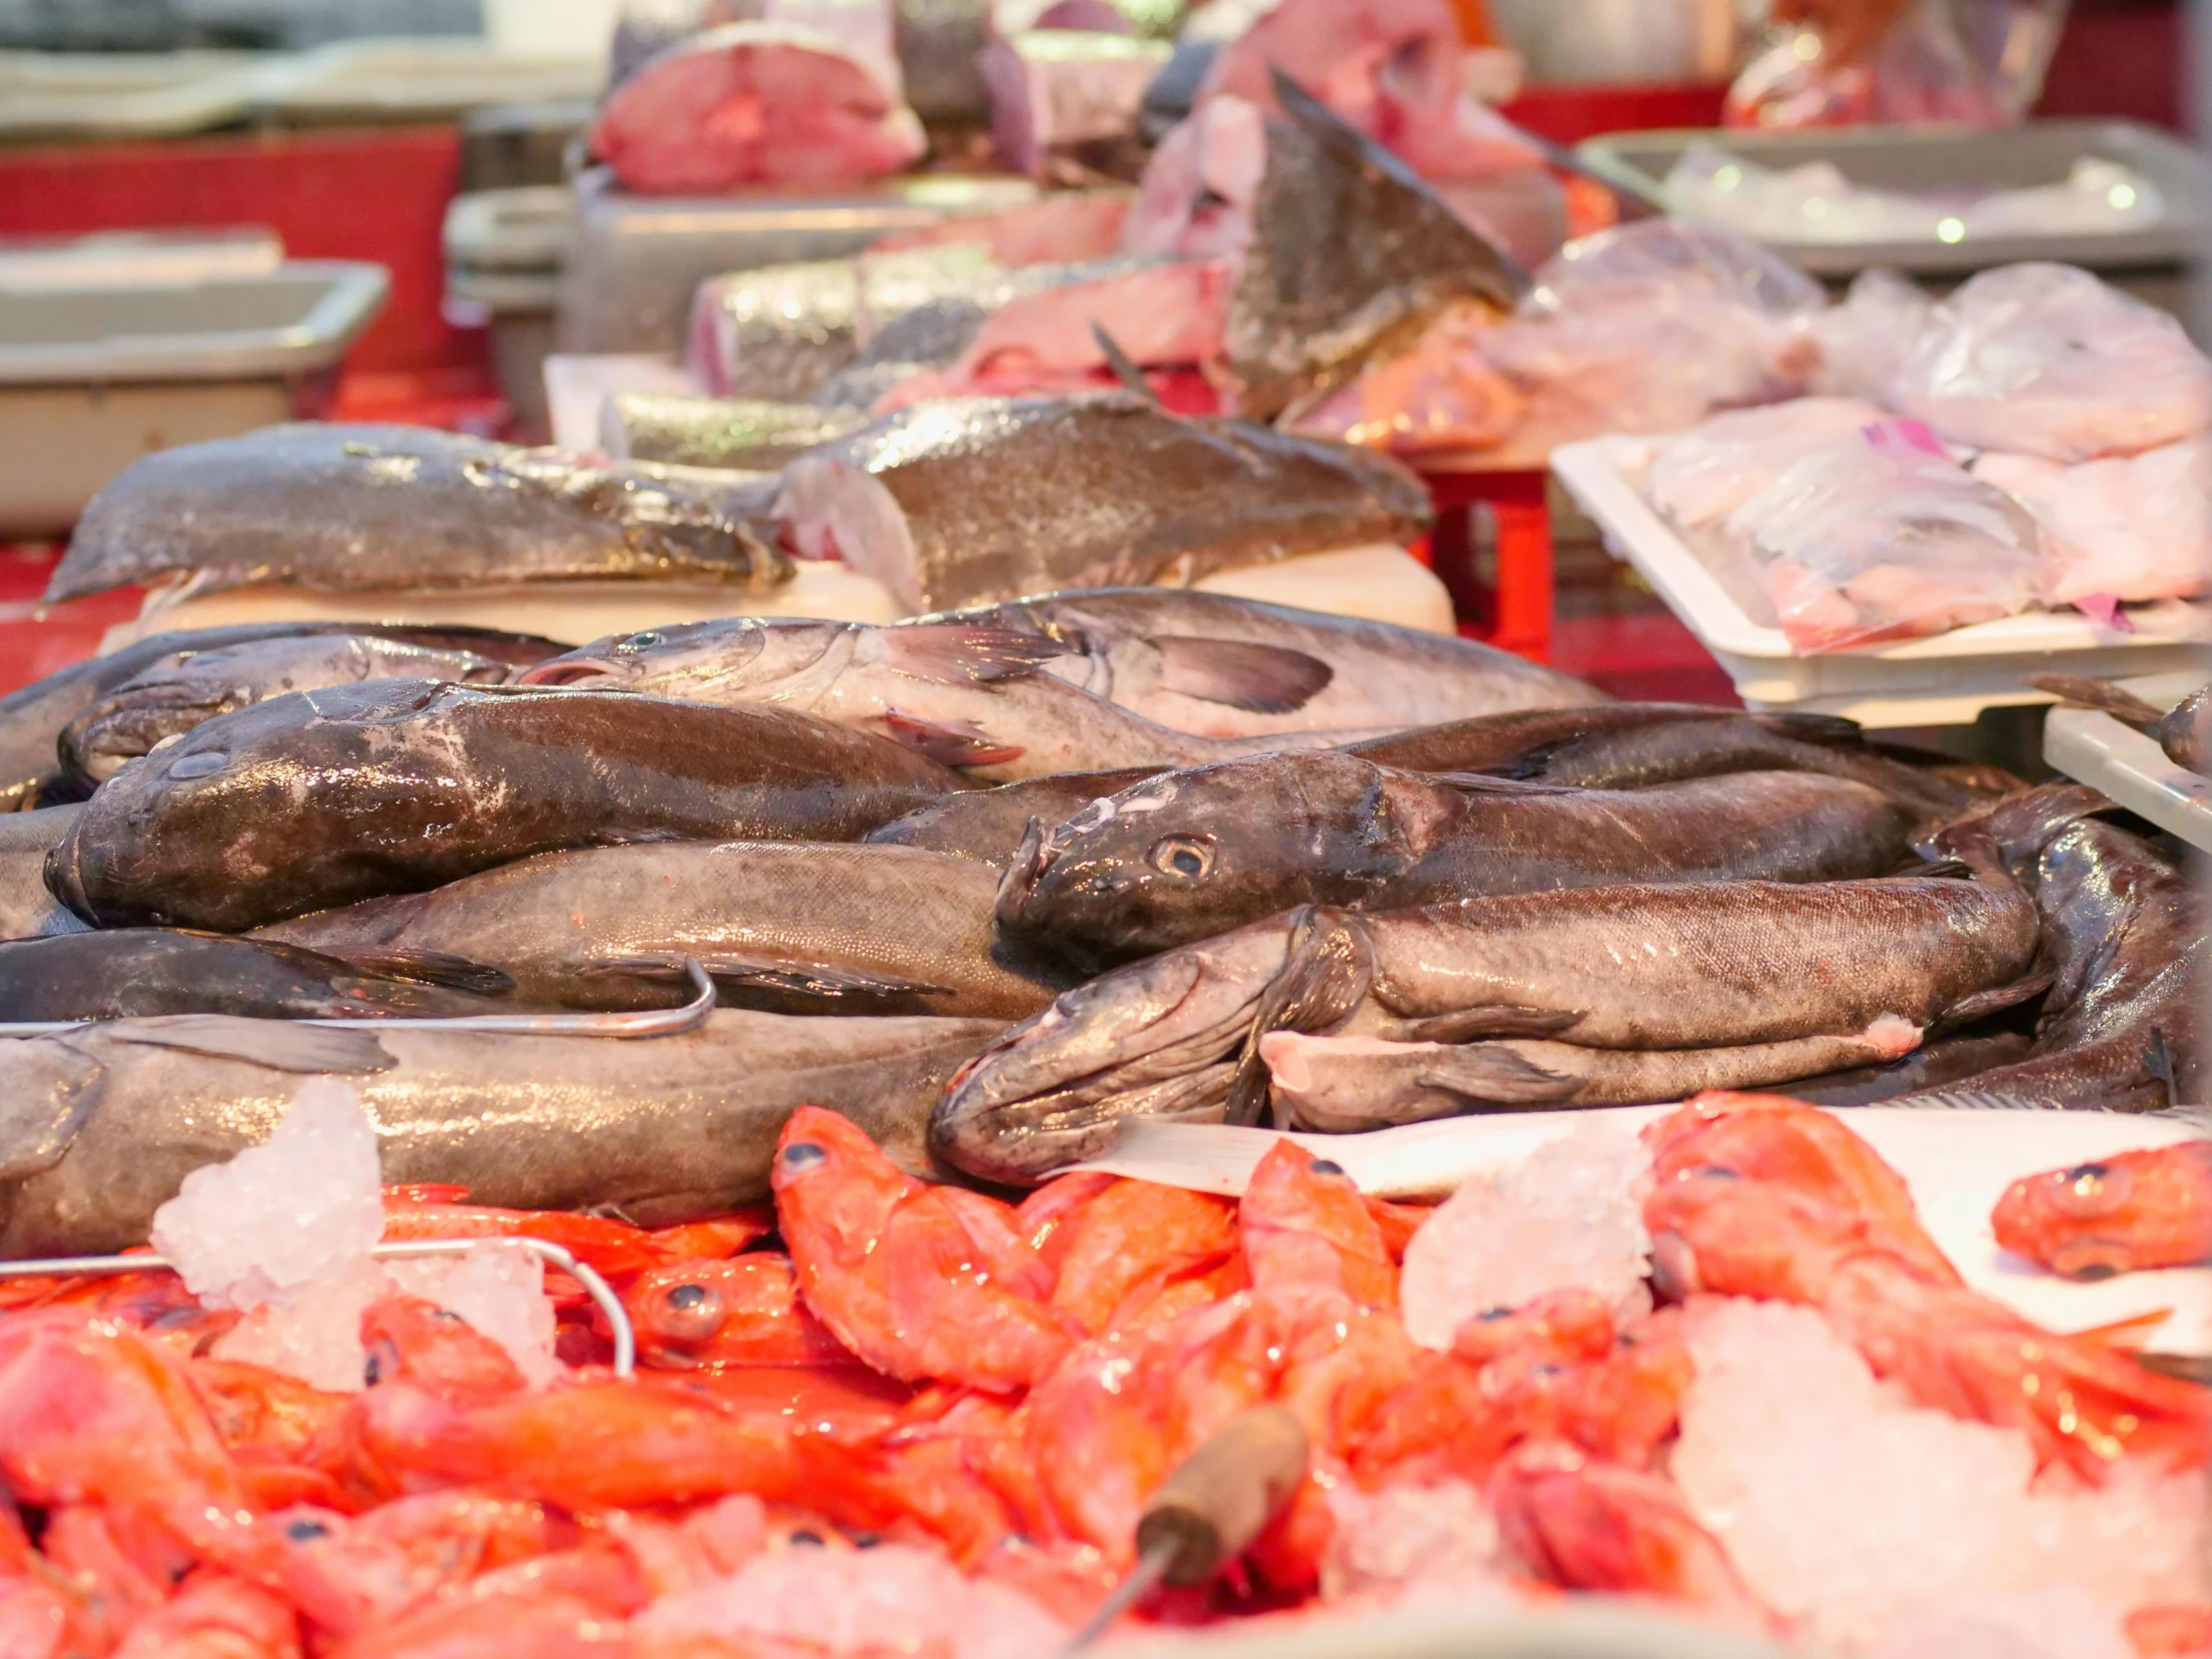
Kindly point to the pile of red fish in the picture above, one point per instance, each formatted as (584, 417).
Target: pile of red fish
(885, 1370)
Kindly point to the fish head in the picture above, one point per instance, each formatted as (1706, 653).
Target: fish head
(406, 1338)
(1157, 1038)
(2094, 1220)
(706, 661)
(1190, 855)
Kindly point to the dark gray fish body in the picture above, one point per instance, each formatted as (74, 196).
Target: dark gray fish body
(98, 1129)
(320, 798)
(32, 720)
(28, 907)
(1223, 667)
(785, 927)
(1945, 1060)
(748, 435)
(987, 825)
(1631, 968)
(1189, 854)
(967, 499)
(346, 508)
(144, 972)
(1352, 252)
(2186, 732)
(2125, 934)
(182, 690)
(965, 697)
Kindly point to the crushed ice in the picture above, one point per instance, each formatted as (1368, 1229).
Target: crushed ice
(1569, 1216)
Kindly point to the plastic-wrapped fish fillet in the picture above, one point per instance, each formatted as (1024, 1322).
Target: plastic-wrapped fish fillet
(1708, 472)
(2117, 531)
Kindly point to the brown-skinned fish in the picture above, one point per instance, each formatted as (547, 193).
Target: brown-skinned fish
(2184, 732)
(28, 907)
(99, 1128)
(325, 798)
(987, 825)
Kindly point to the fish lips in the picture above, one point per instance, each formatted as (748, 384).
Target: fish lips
(578, 670)
(64, 873)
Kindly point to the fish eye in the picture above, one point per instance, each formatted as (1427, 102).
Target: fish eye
(803, 1155)
(643, 642)
(382, 1361)
(204, 763)
(806, 1536)
(689, 1313)
(1183, 855)
(306, 1529)
(1325, 1166)
(2091, 1189)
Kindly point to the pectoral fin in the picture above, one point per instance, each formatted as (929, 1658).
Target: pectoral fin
(949, 742)
(279, 1045)
(1325, 977)
(1470, 1024)
(1238, 674)
(431, 968)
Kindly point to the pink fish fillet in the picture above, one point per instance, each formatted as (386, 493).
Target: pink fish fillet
(755, 104)
(2127, 529)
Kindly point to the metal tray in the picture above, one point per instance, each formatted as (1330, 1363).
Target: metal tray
(1920, 158)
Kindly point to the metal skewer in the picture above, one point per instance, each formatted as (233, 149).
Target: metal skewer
(600, 1293)
(650, 1022)
(1209, 1509)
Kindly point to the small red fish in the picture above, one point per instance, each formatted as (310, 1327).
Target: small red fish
(215, 1616)
(2122, 1214)
(1302, 1222)
(741, 1311)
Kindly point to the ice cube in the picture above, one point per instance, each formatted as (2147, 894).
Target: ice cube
(497, 1288)
(312, 1332)
(1406, 1535)
(302, 1206)
(1570, 1216)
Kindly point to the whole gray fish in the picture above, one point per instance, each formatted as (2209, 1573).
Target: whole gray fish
(32, 720)
(791, 929)
(182, 690)
(1694, 966)
(1221, 667)
(353, 507)
(987, 825)
(98, 1129)
(323, 798)
(2184, 732)
(1341, 1085)
(1190, 855)
(744, 434)
(964, 499)
(962, 696)
(2124, 934)
(28, 908)
(1352, 251)
(140, 972)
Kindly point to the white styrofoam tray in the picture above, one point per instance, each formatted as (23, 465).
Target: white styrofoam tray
(1942, 680)
(1956, 1163)
(2128, 764)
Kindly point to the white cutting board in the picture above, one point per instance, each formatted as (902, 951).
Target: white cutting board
(1956, 1163)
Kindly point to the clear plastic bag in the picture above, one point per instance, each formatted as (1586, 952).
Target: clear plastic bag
(1862, 344)
(2120, 531)
(1709, 471)
(1650, 327)
(1883, 536)
(2044, 359)
(1984, 69)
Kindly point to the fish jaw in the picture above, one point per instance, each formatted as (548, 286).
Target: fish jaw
(830, 509)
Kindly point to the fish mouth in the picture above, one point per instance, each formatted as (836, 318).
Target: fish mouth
(575, 671)
(1019, 884)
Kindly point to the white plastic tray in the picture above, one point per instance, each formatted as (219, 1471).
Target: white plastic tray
(1941, 681)
(2129, 765)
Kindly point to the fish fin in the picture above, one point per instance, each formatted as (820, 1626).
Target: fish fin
(2182, 1367)
(1828, 731)
(788, 976)
(1930, 868)
(2100, 695)
(1123, 366)
(949, 742)
(2162, 1064)
(1327, 975)
(965, 654)
(1471, 1024)
(280, 1045)
(1486, 783)
(1493, 1075)
(1967, 1009)
(430, 967)
(1260, 679)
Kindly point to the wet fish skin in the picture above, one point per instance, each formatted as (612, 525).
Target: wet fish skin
(783, 927)
(325, 798)
(1193, 854)
(1945, 1060)
(98, 1129)
(2186, 732)
(343, 508)
(1218, 666)
(28, 911)
(182, 690)
(966, 697)
(961, 501)
(144, 972)
(1690, 966)
(987, 825)
(742, 434)
(32, 719)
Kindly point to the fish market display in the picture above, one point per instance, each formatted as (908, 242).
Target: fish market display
(1194, 853)
(1626, 968)
(739, 433)
(365, 507)
(762, 103)
(793, 928)
(320, 798)
(105, 1123)
(2128, 1214)
(966, 500)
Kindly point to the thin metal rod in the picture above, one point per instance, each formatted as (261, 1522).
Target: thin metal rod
(648, 1022)
(595, 1287)
(1143, 1579)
